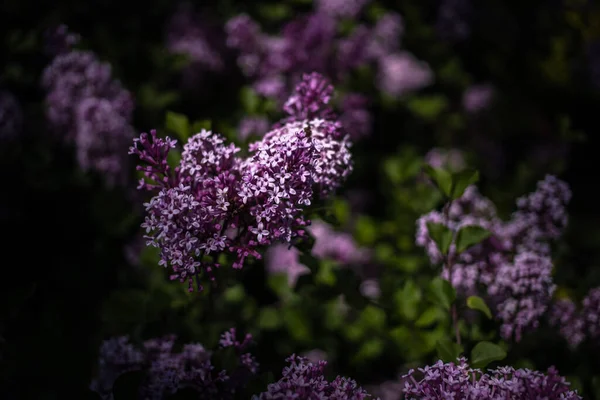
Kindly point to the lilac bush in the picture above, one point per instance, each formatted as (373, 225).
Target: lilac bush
(460, 381)
(577, 325)
(512, 268)
(215, 201)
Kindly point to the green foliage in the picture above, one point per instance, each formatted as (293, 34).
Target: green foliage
(179, 125)
(448, 350)
(441, 293)
(441, 235)
(477, 303)
(486, 352)
(469, 236)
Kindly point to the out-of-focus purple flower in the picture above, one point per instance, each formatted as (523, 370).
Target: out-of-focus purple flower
(168, 371)
(315, 355)
(59, 40)
(11, 116)
(282, 258)
(565, 316)
(512, 266)
(185, 35)
(451, 159)
(459, 381)
(355, 116)
(341, 8)
(478, 97)
(215, 201)
(102, 135)
(386, 36)
(454, 20)
(311, 99)
(92, 110)
(305, 380)
(401, 73)
(337, 246)
(370, 288)
(252, 126)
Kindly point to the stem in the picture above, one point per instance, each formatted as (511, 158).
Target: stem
(448, 265)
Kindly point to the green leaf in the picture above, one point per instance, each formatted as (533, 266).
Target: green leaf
(477, 303)
(429, 317)
(366, 231)
(441, 177)
(278, 283)
(447, 350)
(442, 293)
(326, 273)
(470, 235)
(234, 294)
(427, 107)
(441, 235)
(462, 180)
(179, 125)
(275, 11)
(407, 300)
(485, 352)
(370, 349)
(199, 125)
(173, 158)
(269, 319)
(249, 99)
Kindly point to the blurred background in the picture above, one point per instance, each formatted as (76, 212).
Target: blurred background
(510, 88)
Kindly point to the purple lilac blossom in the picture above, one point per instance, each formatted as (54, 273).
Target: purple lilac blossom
(341, 8)
(215, 201)
(401, 73)
(478, 97)
(337, 246)
(385, 38)
(168, 371)
(11, 116)
(578, 325)
(460, 381)
(281, 258)
(370, 288)
(187, 35)
(252, 126)
(91, 110)
(513, 265)
(451, 159)
(454, 20)
(305, 380)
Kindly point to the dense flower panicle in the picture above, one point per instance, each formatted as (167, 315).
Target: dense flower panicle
(400, 73)
(386, 36)
(460, 381)
(153, 152)
(168, 371)
(92, 110)
(591, 313)
(252, 126)
(59, 40)
(11, 116)
(341, 8)
(281, 258)
(216, 202)
(310, 100)
(513, 266)
(478, 97)
(524, 289)
(454, 20)
(451, 159)
(304, 380)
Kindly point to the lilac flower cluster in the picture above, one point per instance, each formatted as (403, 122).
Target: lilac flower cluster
(91, 110)
(187, 35)
(59, 40)
(11, 116)
(460, 381)
(169, 371)
(216, 202)
(577, 325)
(329, 244)
(512, 268)
(304, 380)
(310, 42)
